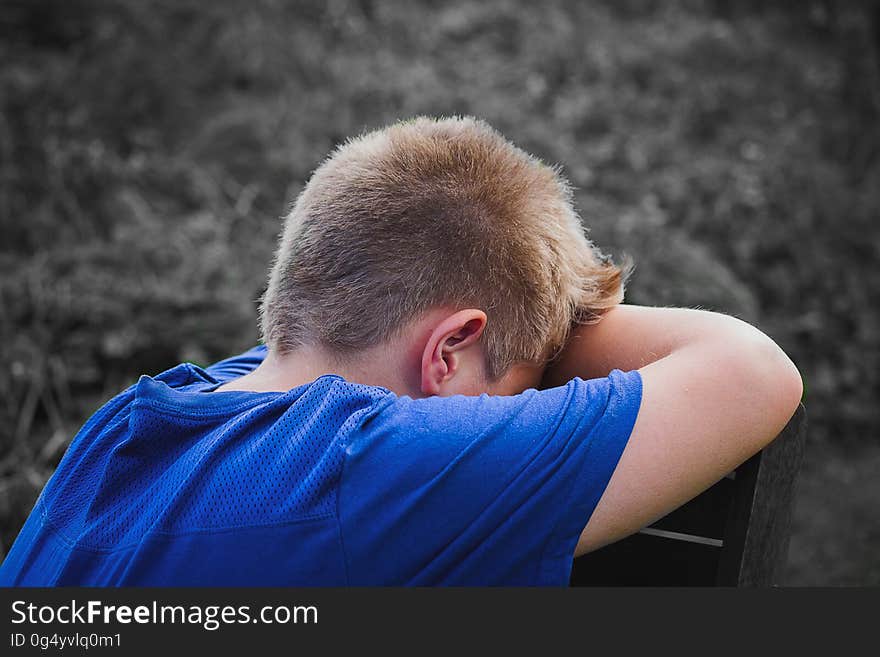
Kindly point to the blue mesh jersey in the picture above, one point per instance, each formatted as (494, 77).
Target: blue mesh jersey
(330, 483)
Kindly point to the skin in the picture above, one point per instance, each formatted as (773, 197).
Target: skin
(438, 354)
(715, 391)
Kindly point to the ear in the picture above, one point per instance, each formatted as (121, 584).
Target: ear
(441, 358)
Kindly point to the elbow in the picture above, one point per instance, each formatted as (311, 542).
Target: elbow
(777, 382)
(789, 387)
(765, 385)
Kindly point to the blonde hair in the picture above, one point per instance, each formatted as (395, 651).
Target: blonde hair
(428, 213)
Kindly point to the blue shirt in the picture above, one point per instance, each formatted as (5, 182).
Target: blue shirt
(330, 483)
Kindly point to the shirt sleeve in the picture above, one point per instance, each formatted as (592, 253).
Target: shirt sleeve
(488, 490)
(231, 368)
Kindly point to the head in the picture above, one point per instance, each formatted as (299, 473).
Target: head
(443, 246)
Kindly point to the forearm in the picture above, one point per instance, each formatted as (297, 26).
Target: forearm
(630, 337)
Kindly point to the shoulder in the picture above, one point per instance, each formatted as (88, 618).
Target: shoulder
(443, 426)
(584, 399)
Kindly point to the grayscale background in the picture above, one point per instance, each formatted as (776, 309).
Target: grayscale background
(149, 148)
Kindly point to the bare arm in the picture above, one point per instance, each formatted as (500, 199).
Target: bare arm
(715, 391)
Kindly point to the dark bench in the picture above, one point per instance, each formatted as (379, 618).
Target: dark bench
(734, 534)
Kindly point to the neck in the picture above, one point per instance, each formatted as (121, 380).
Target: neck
(385, 366)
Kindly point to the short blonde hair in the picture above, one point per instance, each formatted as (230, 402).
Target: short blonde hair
(428, 213)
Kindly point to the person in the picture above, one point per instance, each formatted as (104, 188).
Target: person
(450, 391)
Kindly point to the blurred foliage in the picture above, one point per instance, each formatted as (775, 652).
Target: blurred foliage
(148, 149)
